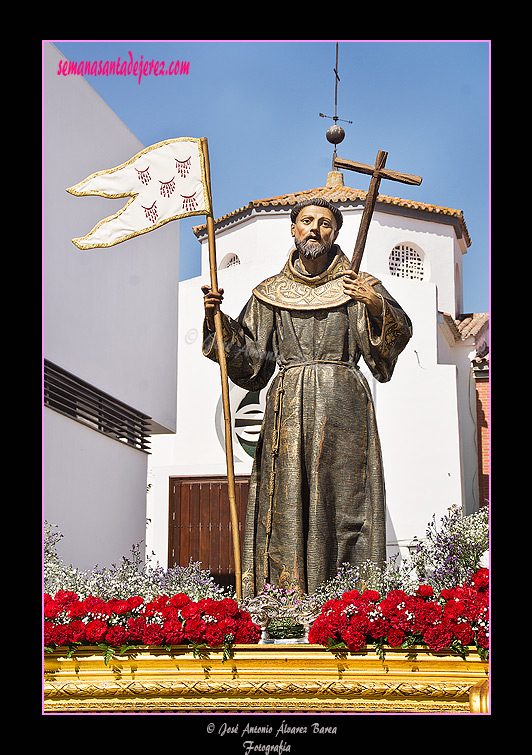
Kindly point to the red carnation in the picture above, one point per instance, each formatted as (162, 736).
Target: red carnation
(60, 634)
(207, 605)
(463, 633)
(136, 627)
(190, 610)
(454, 609)
(360, 623)
(378, 627)
(395, 637)
(425, 591)
(156, 606)
(195, 630)
(169, 611)
(319, 632)
(372, 595)
(247, 632)
(426, 615)
(333, 605)
(153, 634)
(354, 638)
(226, 607)
(49, 627)
(214, 634)
(179, 600)
(337, 623)
(76, 631)
(76, 610)
(65, 597)
(52, 609)
(116, 635)
(482, 638)
(95, 630)
(394, 608)
(481, 579)
(350, 595)
(172, 631)
(118, 606)
(96, 606)
(134, 602)
(438, 637)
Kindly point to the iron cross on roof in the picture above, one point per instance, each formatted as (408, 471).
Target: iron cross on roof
(377, 173)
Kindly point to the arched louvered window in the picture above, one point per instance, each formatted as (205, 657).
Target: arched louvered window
(406, 262)
(229, 260)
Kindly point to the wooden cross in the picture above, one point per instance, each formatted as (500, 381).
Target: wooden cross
(377, 173)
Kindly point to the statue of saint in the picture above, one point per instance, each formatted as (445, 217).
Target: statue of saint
(316, 497)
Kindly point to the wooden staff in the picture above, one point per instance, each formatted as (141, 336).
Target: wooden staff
(377, 172)
(225, 380)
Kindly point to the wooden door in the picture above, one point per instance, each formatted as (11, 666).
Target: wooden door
(200, 523)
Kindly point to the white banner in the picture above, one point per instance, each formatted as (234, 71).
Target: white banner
(165, 182)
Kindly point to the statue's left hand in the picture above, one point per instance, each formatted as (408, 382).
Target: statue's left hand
(359, 289)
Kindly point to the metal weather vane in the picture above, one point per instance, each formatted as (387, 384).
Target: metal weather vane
(335, 135)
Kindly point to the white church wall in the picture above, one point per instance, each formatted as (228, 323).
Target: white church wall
(263, 242)
(434, 242)
(468, 423)
(418, 423)
(460, 354)
(459, 250)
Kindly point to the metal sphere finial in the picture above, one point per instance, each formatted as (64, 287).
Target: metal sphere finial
(335, 134)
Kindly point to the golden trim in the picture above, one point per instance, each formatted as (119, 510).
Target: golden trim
(77, 192)
(479, 697)
(291, 290)
(263, 678)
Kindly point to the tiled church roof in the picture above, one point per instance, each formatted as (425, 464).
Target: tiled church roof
(466, 325)
(344, 194)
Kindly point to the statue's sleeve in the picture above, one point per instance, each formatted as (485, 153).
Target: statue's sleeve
(381, 340)
(248, 345)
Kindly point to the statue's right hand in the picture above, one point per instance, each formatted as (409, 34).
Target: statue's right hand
(210, 301)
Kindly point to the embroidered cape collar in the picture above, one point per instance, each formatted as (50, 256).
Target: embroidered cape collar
(291, 289)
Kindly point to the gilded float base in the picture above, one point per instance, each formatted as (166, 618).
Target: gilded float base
(265, 679)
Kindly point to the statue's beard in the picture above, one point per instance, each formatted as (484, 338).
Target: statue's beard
(310, 249)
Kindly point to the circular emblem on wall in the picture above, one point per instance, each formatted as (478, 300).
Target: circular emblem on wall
(247, 413)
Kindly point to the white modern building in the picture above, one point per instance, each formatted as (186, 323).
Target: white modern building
(109, 334)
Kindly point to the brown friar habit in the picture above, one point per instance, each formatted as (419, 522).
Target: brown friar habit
(316, 497)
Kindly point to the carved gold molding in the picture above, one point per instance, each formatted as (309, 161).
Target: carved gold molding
(264, 678)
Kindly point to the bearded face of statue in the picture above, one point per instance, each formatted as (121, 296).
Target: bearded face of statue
(314, 231)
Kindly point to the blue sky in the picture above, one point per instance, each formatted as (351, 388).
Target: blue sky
(427, 103)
